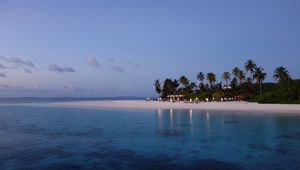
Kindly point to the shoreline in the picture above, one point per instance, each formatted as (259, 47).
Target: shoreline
(222, 106)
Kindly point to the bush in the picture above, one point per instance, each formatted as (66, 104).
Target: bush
(204, 95)
(281, 93)
(217, 96)
(192, 96)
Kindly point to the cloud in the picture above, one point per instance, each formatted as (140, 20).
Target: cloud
(38, 89)
(93, 62)
(27, 71)
(3, 75)
(72, 88)
(22, 89)
(17, 62)
(137, 66)
(3, 66)
(56, 68)
(5, 87)
(118, 68)
(111, 60)
(122, 65)
(108, 88)
(130, 64)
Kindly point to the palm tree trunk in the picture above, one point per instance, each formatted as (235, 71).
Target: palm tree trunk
(260, 88)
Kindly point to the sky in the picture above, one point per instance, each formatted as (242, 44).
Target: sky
(105, 48)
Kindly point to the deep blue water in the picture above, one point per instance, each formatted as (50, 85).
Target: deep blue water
(37, 136)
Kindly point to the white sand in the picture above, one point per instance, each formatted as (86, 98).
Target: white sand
(140, 104)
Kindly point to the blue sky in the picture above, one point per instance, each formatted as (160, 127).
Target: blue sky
(117, 48)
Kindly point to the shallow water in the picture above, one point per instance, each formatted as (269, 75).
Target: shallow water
(42, 137)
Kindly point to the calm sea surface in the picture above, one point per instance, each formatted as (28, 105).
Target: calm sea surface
(37, 136)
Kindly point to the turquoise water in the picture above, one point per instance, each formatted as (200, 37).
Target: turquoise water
(37, 136)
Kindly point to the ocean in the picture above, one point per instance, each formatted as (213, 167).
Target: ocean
(35, 135)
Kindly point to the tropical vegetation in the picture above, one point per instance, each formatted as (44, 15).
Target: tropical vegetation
(248, 83)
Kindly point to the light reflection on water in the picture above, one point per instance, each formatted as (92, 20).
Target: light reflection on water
(35, 137)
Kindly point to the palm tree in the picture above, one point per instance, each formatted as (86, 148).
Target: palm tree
(175, 84)
(169, 87)
(201, 76)
(226, 76)
(236, 72)
(192, 86)
(241, 76)
(184, 81)
(250, 67)
(281, 74)
(157, 86)
(211, 78)
(260, 76)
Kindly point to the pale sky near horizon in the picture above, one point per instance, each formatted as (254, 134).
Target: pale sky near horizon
(98, 48)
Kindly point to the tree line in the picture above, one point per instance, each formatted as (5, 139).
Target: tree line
(247, 82)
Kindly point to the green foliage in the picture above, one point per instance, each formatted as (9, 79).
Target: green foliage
(184, 81)
(236, 72)
(246, 89)
(226, 76)
(281, 75)
(201, 76)
(217, 96)
(228, 93)
(202, 87)
(211, 78)
(241, 76)
(260, 76)
(192, 96)
(169, 87)
(204, 95)
(250, 66)
(280, 93)
(199, 95)
(253, 89)
(157, 86)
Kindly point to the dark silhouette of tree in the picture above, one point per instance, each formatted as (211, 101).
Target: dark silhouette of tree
(226, 76)
(259, 76)
(211, 78)
(169, 87)
(201, 76)
(281, 75)
(250, 67)
(241, 76)
(157, 86)
(184, 81)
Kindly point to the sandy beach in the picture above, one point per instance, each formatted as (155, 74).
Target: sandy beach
(141, 104)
